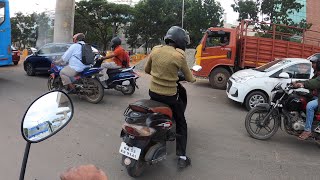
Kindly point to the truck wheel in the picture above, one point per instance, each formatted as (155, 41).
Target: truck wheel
(255, 98)
(218, 78)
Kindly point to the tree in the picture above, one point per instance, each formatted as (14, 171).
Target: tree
(151, 20)
(26, 28)
(247, 9)
(100, 20)
(200, 15)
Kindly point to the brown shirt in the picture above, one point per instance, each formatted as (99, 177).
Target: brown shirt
(163, 65)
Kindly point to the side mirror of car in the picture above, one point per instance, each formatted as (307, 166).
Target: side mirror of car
(284, 75)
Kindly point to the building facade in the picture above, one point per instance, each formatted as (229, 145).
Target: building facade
(309, 12)
(313, 17)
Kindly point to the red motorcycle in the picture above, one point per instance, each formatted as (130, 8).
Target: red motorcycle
(287, 106)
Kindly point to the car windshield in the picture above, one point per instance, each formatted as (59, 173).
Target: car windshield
(272, 65)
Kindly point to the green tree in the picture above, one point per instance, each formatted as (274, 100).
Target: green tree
(201, 15)
(247, 9)
(100, 20)
(26, 28)
(151, 19)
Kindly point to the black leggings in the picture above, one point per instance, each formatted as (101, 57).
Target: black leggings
(178, 114)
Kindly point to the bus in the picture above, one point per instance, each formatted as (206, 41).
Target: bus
(5, 34)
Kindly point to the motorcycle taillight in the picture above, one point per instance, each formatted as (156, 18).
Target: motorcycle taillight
(136, 130)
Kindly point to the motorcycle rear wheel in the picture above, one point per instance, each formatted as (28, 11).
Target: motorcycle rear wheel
(251, 121)
(136, 169)
(98, 91)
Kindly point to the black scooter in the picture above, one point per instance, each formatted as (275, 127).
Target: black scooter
(46, 116)
(148, 126)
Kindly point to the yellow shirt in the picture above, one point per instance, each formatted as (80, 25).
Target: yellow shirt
(163, 65)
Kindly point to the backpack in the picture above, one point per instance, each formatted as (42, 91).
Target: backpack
(87, 54)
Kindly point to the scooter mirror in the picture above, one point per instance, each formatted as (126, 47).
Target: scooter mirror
(46, 116)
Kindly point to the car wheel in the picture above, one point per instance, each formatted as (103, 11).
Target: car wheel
(30, 70)
(254, 98)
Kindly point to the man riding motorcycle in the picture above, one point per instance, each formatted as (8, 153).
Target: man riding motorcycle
(163, 65)
(73, 56)
(312, 84)
(118, 57)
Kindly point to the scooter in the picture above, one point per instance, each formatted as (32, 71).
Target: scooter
(148, 126)
(123, 80)
(58, 109)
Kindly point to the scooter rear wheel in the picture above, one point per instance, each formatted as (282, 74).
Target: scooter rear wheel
(136, 168)
(129, 89)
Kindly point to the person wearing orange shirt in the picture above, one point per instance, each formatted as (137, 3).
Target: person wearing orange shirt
(119, 57)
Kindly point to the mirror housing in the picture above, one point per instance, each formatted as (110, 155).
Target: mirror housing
(46, 116)
(196, 68)
(284, 75)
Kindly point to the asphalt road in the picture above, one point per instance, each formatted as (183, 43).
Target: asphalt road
(218, 143)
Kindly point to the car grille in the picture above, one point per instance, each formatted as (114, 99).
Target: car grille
(229, 84)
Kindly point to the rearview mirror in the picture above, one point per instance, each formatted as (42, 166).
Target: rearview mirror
(196, 68)
(284, 75)
(46, 116)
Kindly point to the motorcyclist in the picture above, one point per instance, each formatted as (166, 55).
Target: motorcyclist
(163, 65)
(312, 84)
(118, 56)
(73, 56)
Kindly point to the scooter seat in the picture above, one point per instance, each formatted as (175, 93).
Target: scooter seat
(147, 105)
(114, 71)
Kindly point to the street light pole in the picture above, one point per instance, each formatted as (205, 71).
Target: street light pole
(182, 13)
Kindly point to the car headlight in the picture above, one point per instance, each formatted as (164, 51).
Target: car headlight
(243, 79)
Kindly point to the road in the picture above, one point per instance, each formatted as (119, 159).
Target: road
(218, 143)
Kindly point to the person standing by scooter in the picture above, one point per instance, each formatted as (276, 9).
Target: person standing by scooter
(163, 64)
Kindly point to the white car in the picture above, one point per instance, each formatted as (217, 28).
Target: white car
(253, 86)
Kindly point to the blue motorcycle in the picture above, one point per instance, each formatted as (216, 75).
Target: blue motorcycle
(87, 83)
(123, 80)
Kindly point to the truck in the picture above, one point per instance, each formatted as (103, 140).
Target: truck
(223, 51)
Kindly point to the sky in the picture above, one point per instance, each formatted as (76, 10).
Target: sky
(29, 6)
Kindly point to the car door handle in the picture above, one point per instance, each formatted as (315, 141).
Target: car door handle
(2, 30)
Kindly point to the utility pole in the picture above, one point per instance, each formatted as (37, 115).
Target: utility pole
(64, 21)
(182, 15)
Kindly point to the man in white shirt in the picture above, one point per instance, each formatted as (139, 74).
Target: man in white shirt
(73, 56)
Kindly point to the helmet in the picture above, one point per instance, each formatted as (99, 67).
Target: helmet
(178, 36)
(116, 41)
(315, 59)
(78, 37)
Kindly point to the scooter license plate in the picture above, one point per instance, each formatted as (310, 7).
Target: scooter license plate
(125, 83)
(131, 152)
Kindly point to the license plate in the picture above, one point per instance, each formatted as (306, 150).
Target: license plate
(131, 152)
